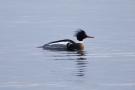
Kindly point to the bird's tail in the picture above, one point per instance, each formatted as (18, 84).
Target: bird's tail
(39, 47)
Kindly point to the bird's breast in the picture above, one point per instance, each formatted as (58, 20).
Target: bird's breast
(79, 46)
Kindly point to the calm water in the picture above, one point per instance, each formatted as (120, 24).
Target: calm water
(107, 63)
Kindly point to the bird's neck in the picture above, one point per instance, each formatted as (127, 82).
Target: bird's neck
(79, 45)
(80, 41)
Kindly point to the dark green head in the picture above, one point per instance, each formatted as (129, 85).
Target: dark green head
(80, 35)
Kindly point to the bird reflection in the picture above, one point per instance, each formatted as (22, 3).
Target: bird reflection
(77, 56)
(81, 64)
(81, 53)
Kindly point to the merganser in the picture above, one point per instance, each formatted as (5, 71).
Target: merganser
(67, 44)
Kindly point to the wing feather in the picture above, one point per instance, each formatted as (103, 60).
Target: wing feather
(64, 40)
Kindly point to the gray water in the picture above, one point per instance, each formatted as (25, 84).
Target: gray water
(107, 63)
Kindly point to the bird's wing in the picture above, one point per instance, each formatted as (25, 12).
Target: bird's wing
(64, 40)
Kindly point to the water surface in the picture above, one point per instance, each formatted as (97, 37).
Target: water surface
(107, 63)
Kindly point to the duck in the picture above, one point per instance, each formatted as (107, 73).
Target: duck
(67, 44)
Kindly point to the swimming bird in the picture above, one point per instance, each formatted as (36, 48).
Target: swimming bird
(67, 44)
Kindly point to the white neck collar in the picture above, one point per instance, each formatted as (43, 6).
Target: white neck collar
(80, 41)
